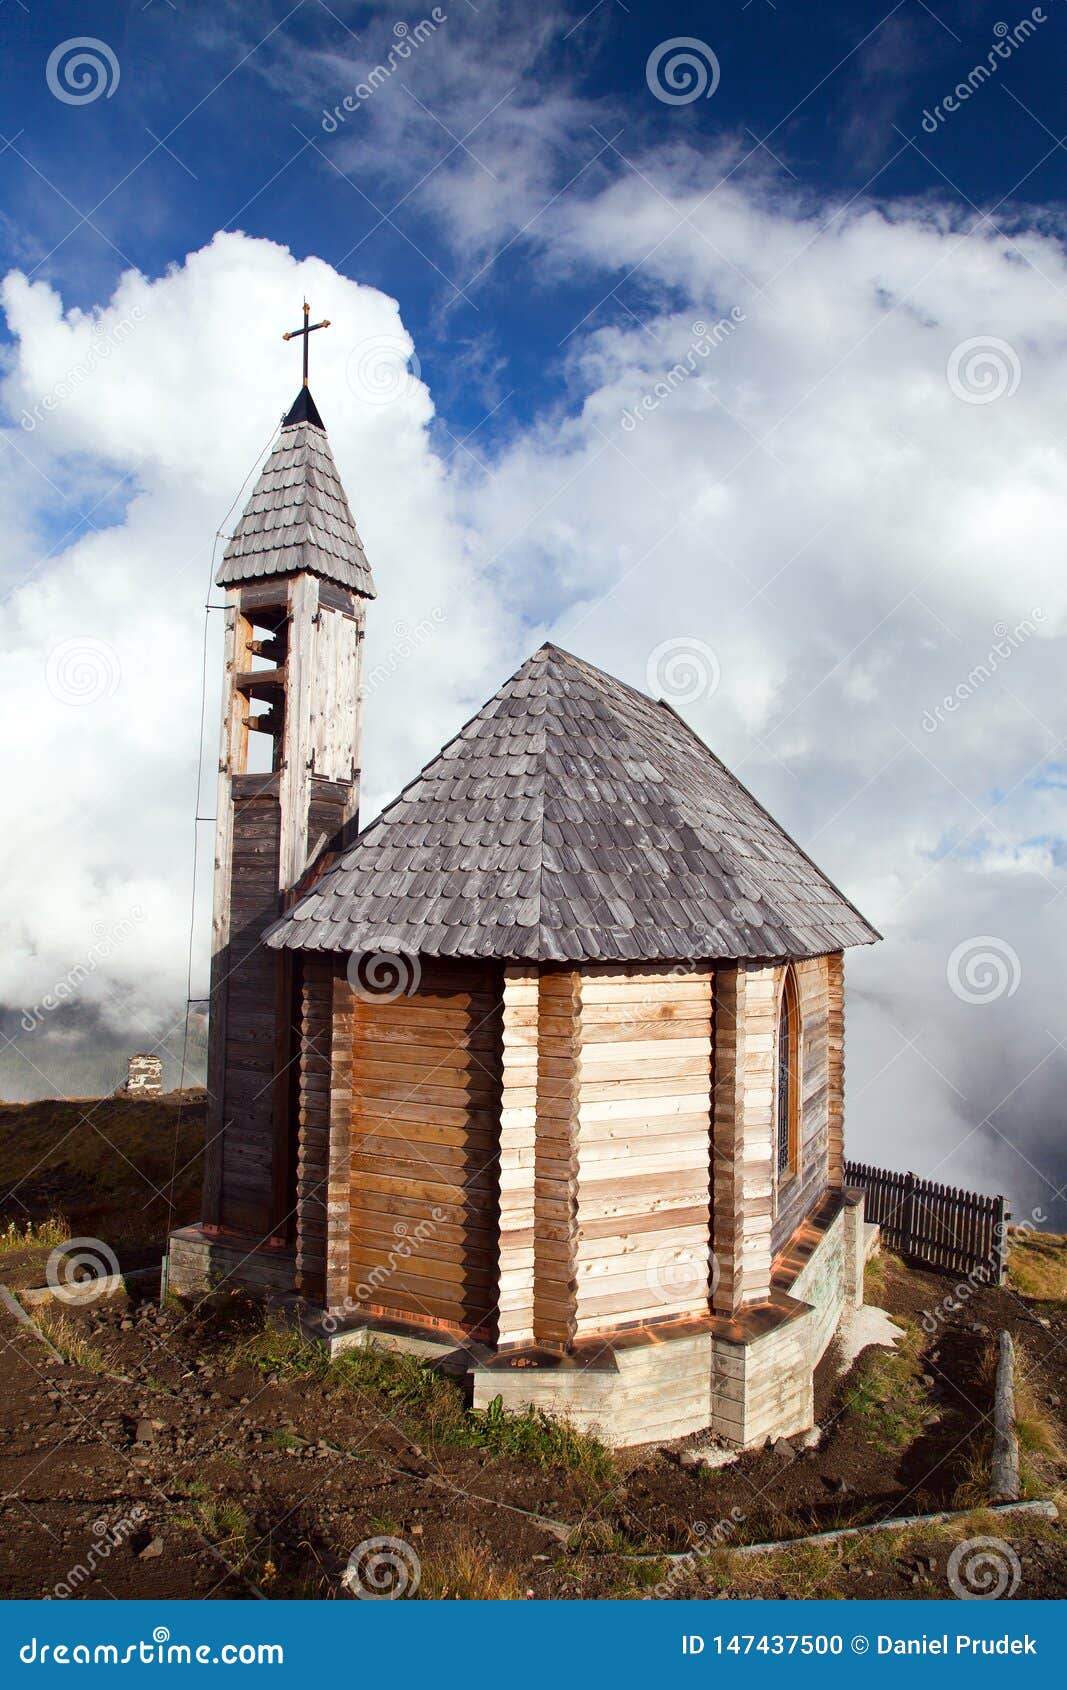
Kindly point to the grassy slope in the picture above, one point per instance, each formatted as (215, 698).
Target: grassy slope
(104, 1164)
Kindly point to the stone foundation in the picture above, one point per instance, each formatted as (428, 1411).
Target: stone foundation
(745, 1379)
(199, 1261)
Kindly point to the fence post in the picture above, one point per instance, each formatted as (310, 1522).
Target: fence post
(909, 1214)
(1000, 1234)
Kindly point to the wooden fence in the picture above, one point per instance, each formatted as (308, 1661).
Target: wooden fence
(962, 1232)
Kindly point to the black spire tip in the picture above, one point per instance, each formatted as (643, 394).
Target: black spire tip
(304, 410)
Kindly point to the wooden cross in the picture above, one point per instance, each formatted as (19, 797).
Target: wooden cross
(304, 333)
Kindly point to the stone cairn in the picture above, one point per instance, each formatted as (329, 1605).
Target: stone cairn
(144, 1076)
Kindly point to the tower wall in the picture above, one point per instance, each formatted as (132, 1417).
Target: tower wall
(288, 796)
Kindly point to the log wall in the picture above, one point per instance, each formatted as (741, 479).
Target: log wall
(643, 1145)
(251, 970)
(559, 1059)
(424, 1193)
(821, 1070)
(315, 997)
(518, 1116)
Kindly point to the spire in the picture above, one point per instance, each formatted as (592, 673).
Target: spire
(304, 410)
(298, 519)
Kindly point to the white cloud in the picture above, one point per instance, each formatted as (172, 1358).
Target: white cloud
(812, 500)
(102, 676)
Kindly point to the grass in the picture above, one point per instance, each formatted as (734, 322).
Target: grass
(874, 1277)
(27, 1235)
(1037, 1265)
(889, 1396)
(465, 1572)
(223, 1523)
(75, 1349)
(541, 1439)
(433, 1405)
(639, 1576)
(105, 1179)
(1042, 1456)
(829, 1571)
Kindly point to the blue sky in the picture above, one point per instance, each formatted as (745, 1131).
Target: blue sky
(216, 123)
(769, 379)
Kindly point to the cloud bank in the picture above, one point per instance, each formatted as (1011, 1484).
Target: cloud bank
(840, 517)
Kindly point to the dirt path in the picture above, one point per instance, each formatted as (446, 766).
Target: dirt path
(176, 1455)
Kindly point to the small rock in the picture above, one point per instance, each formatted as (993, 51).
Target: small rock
(929, 1381)
(145, 1432)
(1053, 1399)
(784, 1450)
(811, 1438)
(151, 1551)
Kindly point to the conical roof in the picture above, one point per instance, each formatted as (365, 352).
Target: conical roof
(298, 518)
(574, 820)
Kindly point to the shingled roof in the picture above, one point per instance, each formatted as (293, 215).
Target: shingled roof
(574, 820)
(298, 516)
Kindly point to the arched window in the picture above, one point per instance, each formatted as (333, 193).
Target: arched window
(788, 1078)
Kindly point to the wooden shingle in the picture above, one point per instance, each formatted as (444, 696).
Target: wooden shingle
(298, 517)
(575, 820)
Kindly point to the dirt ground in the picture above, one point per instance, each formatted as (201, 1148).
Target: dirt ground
(185, 1451)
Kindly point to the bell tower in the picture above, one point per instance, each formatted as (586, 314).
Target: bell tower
(297, 583)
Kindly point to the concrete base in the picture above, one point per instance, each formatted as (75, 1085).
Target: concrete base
(199, 1262)
(445, 1353)
(746, 1379)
